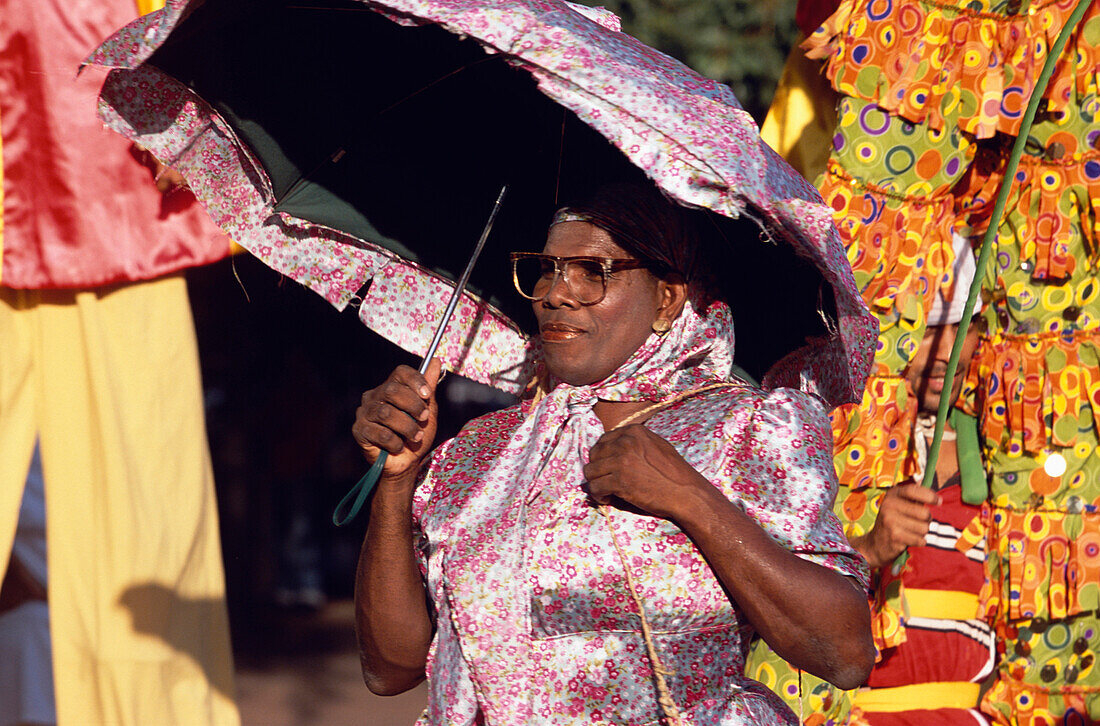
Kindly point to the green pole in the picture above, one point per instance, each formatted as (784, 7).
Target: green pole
(1053, 54)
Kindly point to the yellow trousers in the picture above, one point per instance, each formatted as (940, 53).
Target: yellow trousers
(108, 382)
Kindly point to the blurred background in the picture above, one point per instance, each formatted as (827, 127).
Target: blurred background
(738, 42)
(282, 375)
(283, 372)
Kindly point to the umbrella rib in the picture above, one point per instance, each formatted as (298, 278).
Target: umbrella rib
(342, 151)
(436, 82)
(461, 285)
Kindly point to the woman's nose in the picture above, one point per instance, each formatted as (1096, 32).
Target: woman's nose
(560, 294)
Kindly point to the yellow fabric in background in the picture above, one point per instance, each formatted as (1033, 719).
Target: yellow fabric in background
(802, 116)
(108, 379)
(2, 233)
(918, 696)
(144, 7)
(17, 405)
(945, 604)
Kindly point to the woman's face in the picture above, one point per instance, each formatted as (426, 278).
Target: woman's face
(585, 344)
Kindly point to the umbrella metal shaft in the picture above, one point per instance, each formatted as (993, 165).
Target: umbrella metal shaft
(461, 286)
(353, 501)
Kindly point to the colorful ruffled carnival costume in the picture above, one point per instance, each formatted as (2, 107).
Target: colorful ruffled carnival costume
(931, 96)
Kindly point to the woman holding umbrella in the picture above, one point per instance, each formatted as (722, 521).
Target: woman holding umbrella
(636, 521)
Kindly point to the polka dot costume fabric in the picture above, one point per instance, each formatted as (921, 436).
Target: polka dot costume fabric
(967, 64)
(933, 94)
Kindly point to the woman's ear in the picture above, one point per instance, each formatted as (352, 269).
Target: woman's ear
(672, 295)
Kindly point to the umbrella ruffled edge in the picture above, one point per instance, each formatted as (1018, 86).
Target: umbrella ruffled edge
(181, 130)
(833, 367)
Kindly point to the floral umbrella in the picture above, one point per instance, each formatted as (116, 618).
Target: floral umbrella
(353, 141)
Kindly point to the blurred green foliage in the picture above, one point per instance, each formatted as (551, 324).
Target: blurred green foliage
(743, 43)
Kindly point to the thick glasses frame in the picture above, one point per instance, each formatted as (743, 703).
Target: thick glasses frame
(609, 265)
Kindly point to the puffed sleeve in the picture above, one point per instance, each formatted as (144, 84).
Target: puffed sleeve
(780, 466)
(452, 471)
(422, 500)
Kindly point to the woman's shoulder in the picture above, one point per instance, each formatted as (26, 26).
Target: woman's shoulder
(791, 402)
(745, 418)
(463, 459)
(485, 433)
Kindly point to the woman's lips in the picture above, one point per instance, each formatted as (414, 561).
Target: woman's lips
(559, 332)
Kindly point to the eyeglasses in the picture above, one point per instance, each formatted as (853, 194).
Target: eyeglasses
(535, 274)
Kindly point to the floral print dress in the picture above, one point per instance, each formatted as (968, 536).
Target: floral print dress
(535, 621)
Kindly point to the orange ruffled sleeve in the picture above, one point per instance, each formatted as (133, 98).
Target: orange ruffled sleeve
(936, 61)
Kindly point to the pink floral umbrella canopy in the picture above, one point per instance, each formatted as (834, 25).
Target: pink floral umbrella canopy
(686, 133)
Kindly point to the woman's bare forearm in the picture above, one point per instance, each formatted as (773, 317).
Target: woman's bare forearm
(392, 620)
(813, 617)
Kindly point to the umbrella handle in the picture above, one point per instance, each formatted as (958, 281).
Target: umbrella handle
(1053, 56)
(349, 506)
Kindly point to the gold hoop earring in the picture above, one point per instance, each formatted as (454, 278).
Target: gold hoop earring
(661, 326)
